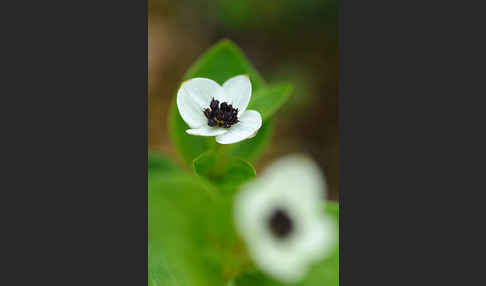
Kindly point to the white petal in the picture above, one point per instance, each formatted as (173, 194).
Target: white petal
(279, 264)
(238, 91)
(207, 131)
(251, 206)
(249, 123)
(319, 239)
(194, 96)
(253, 135)
(298, 178)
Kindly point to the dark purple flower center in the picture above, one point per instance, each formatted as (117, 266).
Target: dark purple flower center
(221, 115)
(280, 223)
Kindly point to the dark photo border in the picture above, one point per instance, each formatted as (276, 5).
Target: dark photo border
(77, 143)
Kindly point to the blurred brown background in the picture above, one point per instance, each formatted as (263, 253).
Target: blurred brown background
(286, 40)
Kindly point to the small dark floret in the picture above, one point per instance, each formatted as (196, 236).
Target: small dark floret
(212, 122)
(227, 115)
(214, 104)
(221, 115)
(280, 223)
(207, 113)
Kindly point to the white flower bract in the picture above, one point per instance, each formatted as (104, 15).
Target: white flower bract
(290, 191)
(195, 95)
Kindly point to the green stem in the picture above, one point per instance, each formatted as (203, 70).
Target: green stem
(219, 152)
(219, 149)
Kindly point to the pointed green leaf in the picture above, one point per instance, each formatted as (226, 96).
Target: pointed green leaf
(269, 100)
(222, 61)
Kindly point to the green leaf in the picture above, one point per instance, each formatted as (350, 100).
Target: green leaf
(255, 278)
(160, 270)
(221, 62)
(182, 249)
(332, 208)
(325, 273)
(158, 163)
(226, 172)
(269, 100)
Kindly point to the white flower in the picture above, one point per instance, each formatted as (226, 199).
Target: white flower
(281, 218)
(213, 110)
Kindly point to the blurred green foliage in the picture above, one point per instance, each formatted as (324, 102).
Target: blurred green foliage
(269, 14)
(180, 250)
(157, 163)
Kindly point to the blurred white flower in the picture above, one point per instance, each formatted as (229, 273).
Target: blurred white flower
(213, 110)
(281, 217)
